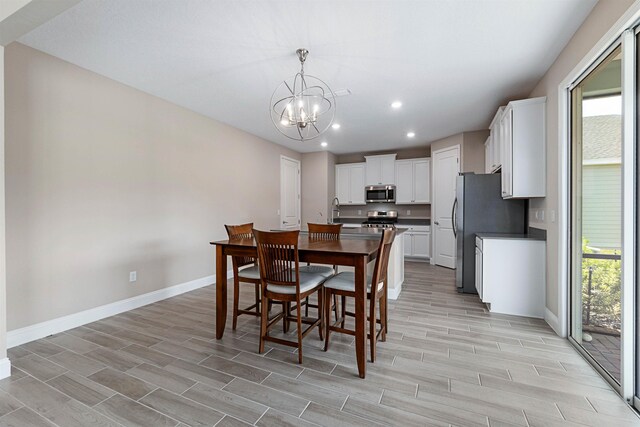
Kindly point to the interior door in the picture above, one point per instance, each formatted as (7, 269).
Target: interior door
(289, 193)
(446, 166)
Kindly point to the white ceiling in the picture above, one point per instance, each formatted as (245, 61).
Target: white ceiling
(451, 62)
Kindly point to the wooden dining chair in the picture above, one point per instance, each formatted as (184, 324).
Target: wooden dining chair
(343, 284)
(282, 280)
(322, 232)
(249, 274)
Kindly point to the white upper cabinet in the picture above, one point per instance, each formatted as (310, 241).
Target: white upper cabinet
(381, 170)
(350, 183)
(413, 183)
(493, 151)
(523, 149)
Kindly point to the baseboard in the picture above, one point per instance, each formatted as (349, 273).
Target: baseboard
(395, 292)
(54, 326)
(5, 368)
(552, 320)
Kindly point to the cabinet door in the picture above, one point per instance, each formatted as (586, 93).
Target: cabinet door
(421, 245)
(404, 182)
(388, 170)
(487, 156)
(342, 184)
(408, 243)
(374, 171)
(356, 186)
(421, 181)
(479, 272)
(506, 145)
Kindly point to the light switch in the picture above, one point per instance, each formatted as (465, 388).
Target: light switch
(552, 215)
(542, 215)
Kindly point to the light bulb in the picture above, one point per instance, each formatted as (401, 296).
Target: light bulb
(336, 126)
(396, 104)
(411, 134)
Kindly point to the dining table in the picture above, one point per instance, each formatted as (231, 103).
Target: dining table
(356, 252)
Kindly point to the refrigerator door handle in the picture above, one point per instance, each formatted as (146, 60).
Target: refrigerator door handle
(453, 217)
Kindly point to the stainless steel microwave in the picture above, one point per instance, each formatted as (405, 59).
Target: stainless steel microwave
(380, 194)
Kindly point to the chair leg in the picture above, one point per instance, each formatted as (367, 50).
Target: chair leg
(286, 307)
(344, 310)
(264, 321)
(236, 298)
(257, 290)
(321, 302)
(299, 318)
(327, 318)
(372, 327)
(383, 317)
(306, 307)
(335, 307)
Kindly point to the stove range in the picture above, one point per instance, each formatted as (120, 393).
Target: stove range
(381, 219)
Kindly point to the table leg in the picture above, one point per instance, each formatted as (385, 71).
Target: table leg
(221, 291)
(361, 314)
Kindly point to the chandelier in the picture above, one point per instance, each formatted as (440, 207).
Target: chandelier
(303, 108)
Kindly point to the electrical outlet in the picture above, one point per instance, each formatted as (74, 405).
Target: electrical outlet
(408, 211)
(359, 211)
(133, 276)
(552, 214)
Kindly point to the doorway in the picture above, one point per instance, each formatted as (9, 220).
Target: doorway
(289, 193)
(446, 167)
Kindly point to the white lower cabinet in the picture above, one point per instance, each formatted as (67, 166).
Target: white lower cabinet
(417, 242)
(510, 275)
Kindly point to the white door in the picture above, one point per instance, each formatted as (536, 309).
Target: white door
(446, 166)
(289, 193)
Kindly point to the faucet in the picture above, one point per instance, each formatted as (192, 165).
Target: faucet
(335, 202)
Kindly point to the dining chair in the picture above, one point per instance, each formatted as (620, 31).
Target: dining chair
(322, 232)
(283, 281)
(249, 274)
(343, 284)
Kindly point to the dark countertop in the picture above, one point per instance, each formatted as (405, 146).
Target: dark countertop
(401, 221)
(510, 236)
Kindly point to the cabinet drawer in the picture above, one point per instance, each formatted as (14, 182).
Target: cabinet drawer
(417, 228)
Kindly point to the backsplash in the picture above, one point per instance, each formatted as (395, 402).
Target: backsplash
(417, 211)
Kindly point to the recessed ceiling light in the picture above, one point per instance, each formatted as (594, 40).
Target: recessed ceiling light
(411, 134)
(336, 126)
(324, 143)
(396, 104)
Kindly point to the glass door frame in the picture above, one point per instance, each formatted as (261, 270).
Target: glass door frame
(630, 362)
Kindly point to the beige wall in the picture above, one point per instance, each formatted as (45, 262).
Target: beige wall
(601, 19)
(102, 179)
(315, 187)
(3, 276)
(473, 150)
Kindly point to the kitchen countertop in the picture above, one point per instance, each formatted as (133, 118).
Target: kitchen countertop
(509, 236)
(401, 221)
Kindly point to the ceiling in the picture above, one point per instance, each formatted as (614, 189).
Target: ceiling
(450, 62)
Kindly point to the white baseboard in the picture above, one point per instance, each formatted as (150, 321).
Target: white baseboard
(552, 320)
(5, 368)
(54, 326)
(395, 292)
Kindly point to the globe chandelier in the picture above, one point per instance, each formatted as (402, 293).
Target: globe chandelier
(304, 107)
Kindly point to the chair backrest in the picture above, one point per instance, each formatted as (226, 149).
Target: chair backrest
(324, 231)
(241, 231)
(278, 257)
(382, 261)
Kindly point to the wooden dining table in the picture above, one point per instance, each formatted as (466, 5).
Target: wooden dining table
(352, 252)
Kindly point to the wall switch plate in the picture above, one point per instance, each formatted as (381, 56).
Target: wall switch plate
(133, 276)
(552, 215)
(359, 211)
(542, 215)
(408, 211)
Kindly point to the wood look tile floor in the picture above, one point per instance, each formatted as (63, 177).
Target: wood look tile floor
(446, 362)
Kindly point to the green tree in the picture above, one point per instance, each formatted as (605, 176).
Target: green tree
(605, 289)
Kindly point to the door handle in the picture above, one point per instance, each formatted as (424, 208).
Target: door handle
(453, 217)
(285, 222)
(436, 223)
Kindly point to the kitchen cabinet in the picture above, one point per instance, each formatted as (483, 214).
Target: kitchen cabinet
(493, 157)
(350, 183)
(523, 149)
(510, 274)
(381, 170)
(413, 181)
(417, 241)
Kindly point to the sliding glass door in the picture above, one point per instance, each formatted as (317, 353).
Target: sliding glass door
(596, 228)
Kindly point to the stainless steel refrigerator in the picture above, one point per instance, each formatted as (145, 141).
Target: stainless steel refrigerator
(480, 208)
